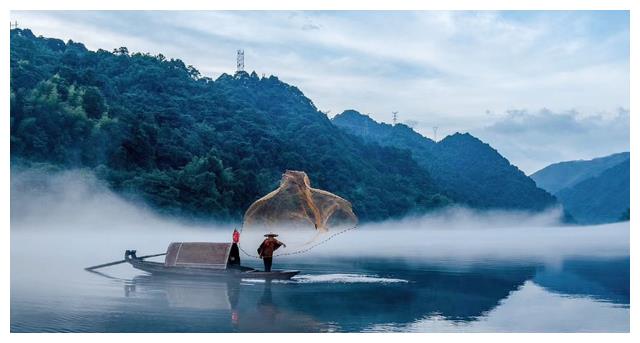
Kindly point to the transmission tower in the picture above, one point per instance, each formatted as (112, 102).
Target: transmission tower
(13, 25)
(435, 133)
(240, 60)
(395, 117)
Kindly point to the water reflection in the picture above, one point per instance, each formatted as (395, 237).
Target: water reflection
(456, 294)
(387, 296)
(603, 280)
(248, 307)
(530, 309)
(270, 316)
(199, 294)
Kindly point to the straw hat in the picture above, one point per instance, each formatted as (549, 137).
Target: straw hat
(271, 234)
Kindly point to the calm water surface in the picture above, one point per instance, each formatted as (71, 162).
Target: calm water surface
(50, 292)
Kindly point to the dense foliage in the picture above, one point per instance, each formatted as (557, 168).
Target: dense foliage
(154, 127)
(466, 169)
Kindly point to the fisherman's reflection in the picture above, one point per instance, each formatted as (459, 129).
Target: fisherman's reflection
(266, 308)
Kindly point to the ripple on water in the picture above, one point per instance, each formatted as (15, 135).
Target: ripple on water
(335, 278)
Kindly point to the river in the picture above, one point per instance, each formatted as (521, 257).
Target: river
(455, 272)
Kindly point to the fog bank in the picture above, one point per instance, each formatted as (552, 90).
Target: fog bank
(78, 212)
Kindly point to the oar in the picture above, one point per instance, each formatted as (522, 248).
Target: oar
(121, 261)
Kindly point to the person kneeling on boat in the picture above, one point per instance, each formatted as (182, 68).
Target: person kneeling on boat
(266, 249)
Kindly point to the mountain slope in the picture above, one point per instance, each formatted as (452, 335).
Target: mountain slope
(156, 129)
(398, 135)
(561, 175)
(478, 175)
(468, 170)
(600, 199)
(594, 191)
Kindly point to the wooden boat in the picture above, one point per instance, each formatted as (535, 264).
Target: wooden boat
(200, 259)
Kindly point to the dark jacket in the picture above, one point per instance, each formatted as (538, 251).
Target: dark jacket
(234, 255)
(268, 246)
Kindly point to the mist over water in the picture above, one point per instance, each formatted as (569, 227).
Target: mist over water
(75, 202)
(62, 222)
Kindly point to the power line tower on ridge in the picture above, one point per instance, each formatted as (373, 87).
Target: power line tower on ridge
(13, 25)
(435, 133)
(240, 60)
(395, 117)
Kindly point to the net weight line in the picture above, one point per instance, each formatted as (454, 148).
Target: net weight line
(302, 250)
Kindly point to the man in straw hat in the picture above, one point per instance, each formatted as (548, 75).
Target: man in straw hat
(266, 249)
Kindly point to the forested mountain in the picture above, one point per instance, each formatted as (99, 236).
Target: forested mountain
(595, 191)
(467, 170)
(398, 135)
(561, 175)
(155, 128)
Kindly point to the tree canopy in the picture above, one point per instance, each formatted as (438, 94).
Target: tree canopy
(156, 128)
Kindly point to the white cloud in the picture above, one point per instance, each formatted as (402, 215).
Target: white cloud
(537, 139)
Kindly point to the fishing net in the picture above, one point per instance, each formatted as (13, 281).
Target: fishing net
(300, 215)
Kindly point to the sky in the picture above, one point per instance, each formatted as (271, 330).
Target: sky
(539, 86)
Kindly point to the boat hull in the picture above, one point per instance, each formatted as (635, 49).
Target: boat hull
(157, 268)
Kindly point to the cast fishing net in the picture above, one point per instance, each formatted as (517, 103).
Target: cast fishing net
(302, 216)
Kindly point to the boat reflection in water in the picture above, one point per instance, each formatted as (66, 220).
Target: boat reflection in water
(186, 293)
(257, 312)
(327, 302)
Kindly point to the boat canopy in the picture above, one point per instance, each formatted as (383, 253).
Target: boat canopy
(198, 255)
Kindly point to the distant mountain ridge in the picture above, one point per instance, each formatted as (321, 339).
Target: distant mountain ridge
(468, 170)
(594, 191)
(561, 175)
(399, 135)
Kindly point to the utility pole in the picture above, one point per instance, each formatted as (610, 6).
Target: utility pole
(240, 60)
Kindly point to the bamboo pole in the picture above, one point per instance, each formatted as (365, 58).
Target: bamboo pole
(121, 261)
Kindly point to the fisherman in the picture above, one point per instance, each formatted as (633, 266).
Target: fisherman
(266, 249)
(234, 253)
